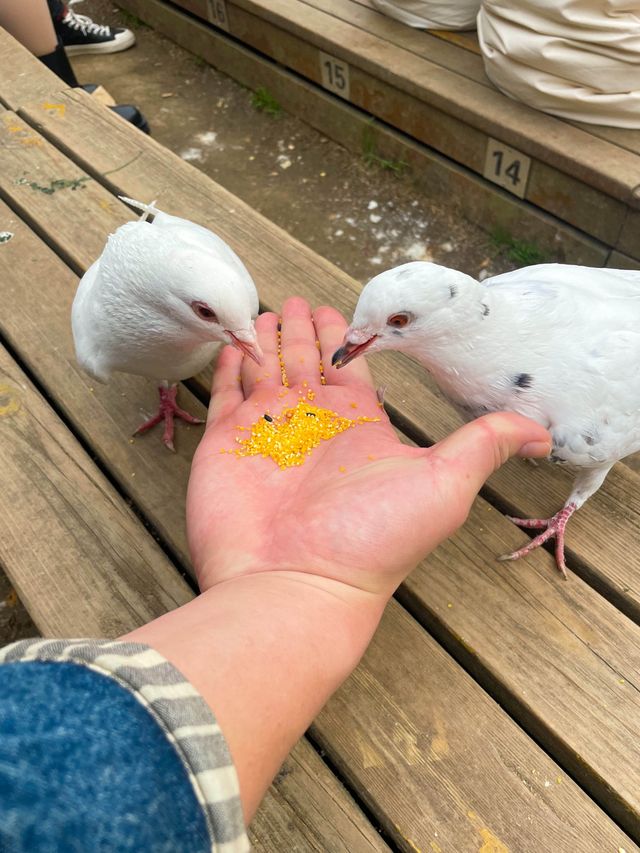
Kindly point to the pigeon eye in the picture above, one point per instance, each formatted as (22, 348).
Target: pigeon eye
(398, 320)
(204, 312)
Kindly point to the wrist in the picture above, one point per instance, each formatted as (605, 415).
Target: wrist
(266, 651)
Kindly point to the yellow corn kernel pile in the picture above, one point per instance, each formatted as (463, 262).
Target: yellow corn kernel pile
(292, 435)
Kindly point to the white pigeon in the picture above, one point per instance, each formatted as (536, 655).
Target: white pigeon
(557, 343)
(158, 302)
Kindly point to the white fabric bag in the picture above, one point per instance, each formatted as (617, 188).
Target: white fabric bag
(579, 59)
(432, 14)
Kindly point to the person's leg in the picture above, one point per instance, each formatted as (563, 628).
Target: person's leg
(31, 23)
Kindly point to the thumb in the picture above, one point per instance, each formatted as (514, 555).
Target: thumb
(479, 448)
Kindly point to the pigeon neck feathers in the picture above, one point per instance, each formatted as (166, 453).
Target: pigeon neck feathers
(147, 277)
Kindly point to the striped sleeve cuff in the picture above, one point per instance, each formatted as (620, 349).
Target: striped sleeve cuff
(177, 708)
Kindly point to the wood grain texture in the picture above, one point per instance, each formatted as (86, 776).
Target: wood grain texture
(458, 51)
(23, 79)
(306, 787)
(565, 662)
(68, 542)
(55, 193)
(79, 559)
(439, 127)
(502, 784)
(423, 43)
(380, 717)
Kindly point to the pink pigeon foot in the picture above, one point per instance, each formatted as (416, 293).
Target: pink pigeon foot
(168, 410)
(555, 526)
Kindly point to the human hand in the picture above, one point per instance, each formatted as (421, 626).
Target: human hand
(363, 509)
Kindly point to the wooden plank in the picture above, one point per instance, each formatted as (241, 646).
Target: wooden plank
(25, 79)
(281, 266)
(604, 559)
(450, 747)
(563, 661)
(584, 207)
(478, 200)
(307, 806)
(547, 138)
(620, 136)
(407, 107)
(582, 817)
(73, 575)
(423, 43)
(619, 261)
(629, 242)
(68, 542)
(38, 178)
(464, 38)
(420, 42)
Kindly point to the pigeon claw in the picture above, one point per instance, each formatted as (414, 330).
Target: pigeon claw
(554, 526)
(167, 412)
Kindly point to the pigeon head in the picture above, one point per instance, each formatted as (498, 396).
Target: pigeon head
(211, 302)
(182, 292)
(403, 307)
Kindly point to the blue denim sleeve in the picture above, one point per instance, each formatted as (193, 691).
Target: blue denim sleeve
(104, 746)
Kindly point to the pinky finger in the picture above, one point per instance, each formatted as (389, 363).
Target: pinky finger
(226, 391)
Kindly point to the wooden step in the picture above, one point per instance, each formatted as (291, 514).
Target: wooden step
(434, 91)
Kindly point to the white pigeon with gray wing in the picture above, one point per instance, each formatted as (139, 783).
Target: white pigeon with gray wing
(557, 343)
(158, 302)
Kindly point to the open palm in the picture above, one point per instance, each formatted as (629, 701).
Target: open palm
(363, 508)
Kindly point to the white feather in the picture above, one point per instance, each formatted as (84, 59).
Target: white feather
(557, 343)
(133, 309)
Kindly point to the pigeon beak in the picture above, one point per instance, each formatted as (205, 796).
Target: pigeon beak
(348, 351)
(247, 342)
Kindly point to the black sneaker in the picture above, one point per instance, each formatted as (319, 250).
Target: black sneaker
(79, 34)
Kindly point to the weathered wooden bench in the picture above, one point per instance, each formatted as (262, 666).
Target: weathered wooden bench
(497, 709)
(339, 64)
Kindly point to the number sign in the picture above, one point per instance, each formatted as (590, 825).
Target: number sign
(507, 167)
(217, 12)
(334, 74)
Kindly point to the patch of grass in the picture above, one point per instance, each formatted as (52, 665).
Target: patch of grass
(264, 101)
(133, 22)
(55, 185)
(199, 62)
(371, 157)
(518, 251)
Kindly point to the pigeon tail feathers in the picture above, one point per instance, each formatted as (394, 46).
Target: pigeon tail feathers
(147, 209)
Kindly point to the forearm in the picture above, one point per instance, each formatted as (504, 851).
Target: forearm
(266, 651)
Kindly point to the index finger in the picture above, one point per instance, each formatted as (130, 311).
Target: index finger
(330, 328)
(226, 391)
